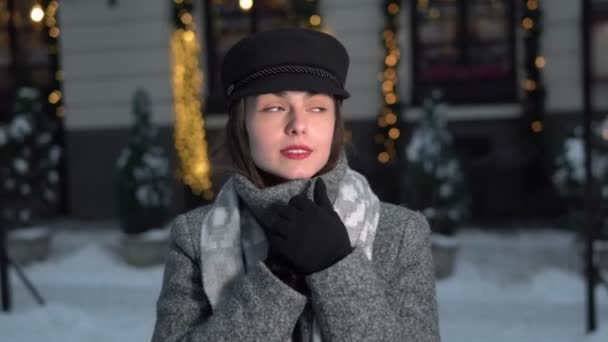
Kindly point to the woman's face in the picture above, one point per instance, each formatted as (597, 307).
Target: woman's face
(290, 133)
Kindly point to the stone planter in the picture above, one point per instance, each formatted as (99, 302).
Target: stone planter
(445, 252)
(146, 249)
(30, 244)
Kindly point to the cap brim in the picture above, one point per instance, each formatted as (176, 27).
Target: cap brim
(295, 82)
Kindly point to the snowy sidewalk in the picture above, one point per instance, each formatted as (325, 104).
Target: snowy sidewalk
(507, 287)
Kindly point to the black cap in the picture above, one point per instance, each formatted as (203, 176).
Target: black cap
(285, 59)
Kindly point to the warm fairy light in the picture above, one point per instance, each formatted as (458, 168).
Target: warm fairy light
(391, 119)
(393, 8)
(390, 60)
(527, 23)
(383, 157)
(387, 86)
(536, 126)
(189, 36)
(540, 62)
(186, 18)
(388, 34)
(54, 32)
(246, 5)
(315, 20)
(530, 85)
(190, 140)
(390, 73)
(390, 98)
(36, 14)
(394, 133)
(55, 97)
(382, 121)
(388, 81)
(532, 5)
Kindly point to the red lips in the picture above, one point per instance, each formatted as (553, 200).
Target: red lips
(296, 152)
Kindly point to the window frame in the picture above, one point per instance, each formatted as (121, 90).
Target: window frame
(465, 91)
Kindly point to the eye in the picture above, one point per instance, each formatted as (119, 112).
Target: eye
(318, 109)
(273, 109)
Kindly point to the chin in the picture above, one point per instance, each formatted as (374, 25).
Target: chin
(296, 174)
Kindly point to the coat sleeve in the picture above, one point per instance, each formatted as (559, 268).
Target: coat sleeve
(262, 307)
(353, 303)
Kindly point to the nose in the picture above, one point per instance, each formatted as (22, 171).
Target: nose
(297, 124)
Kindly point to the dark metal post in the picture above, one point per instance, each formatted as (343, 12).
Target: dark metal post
(589, 212)
(4, 279)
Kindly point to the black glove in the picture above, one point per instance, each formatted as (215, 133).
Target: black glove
(309, 236)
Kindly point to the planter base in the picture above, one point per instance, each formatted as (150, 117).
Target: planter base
(147, 249)
(445, 253)
(27, 245)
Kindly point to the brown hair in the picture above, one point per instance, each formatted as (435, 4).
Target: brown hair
(237, 144)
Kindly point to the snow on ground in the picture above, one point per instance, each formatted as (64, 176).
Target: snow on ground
(520, 286)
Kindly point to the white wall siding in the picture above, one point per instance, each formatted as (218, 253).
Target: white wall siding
(107, 52)
(357, 24)
(561, 46)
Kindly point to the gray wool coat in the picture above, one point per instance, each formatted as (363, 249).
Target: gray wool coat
(391, 298)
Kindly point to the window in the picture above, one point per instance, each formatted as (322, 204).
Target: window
(599, 51)
(24, 53)
(465, 48)
(226, 23)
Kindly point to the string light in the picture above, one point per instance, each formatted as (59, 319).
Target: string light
(55, 97)
(539, 62)
(384, 157)
(388, 119)
(527, 23)
(37, 13)
(534, 90)
(190, 137)
(530, 85)
(308, 15)
(315, 20)
(245, 5)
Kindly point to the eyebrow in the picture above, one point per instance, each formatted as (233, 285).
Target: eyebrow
(283, 94)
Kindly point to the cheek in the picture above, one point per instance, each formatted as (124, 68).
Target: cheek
(327, 132)
(260, 138)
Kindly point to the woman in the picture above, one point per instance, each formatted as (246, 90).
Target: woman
(296, 245)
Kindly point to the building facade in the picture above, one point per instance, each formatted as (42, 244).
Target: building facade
(109, 48)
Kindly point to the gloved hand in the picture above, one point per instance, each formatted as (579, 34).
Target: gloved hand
(309, 236)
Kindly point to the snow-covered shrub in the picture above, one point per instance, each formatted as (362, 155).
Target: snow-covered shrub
(569, 174)
(433, 180)
(143, 184)
(29, 163)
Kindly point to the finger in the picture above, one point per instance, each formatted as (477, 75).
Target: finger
(287, 212)
(320, 195)
(300, 202)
